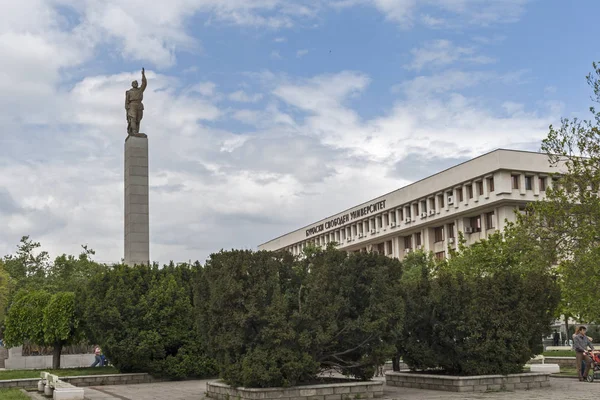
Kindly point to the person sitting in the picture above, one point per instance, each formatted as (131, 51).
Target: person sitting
(98, 360)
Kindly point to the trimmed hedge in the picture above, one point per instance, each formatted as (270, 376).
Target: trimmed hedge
(483, 312)
(143, 318)
(270, 320)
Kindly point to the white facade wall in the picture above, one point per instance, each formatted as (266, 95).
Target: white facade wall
(490, 187)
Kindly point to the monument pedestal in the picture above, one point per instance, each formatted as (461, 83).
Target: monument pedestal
(137, 222)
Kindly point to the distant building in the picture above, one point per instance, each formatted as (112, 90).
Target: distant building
(475, 197)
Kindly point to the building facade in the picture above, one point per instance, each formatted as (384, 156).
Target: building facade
(476, 198)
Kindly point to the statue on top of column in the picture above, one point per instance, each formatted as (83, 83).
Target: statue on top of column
(134, 107)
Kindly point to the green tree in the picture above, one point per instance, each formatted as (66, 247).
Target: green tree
(143, 319)
(28, 266)
(481, 312)
(271, 320)
(567, 221)
(44, 319)
(5, 286)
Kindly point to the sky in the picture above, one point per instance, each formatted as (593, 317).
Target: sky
(265, 115)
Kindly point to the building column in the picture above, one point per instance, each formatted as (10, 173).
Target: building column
(396, 247)
(475, 191)
(486, 188)
(455, 195)
(484, 226)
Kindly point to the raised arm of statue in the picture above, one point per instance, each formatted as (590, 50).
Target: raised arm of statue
(126, 99)
(144, 81)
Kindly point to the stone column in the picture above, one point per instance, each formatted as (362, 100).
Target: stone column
(137, 223)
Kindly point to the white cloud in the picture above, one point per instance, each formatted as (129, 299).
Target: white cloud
(459, 12)
(431, 21)
(301, 53)
(275, 55)
(280, 39)
(244, 97)
(440, 53)
(211, 187)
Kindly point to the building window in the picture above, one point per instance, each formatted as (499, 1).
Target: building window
(408, 213)
(418, 239)
(470, 191)
(432, 204)
(451, 230)
(389, 247)
(416, 210)
(379, 221)
(480, 188)
(441, 200)
(407, 242)
(515, 181)
(529, 183)
(438, 234)
(542, 184)
(460, 195)
(475, 223)
(440, 255)
(489, 221)
(490, 182)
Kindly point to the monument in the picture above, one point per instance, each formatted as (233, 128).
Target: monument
(137, 222)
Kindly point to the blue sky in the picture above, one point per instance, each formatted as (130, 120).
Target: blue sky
(265, 115)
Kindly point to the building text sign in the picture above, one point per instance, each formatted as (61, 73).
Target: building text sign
(344, 219)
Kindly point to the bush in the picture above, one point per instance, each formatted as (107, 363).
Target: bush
(142, 317)
(482, 312)
(270, 320)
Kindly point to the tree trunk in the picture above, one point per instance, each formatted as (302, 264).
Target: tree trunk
(567, 329)
(396, 364)
(56, 355)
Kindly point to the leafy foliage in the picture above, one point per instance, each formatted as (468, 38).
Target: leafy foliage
(270, 320)
(142, 317)
(567, 221)
(28, 266)
(5, 287)
(44, 319)
(481, 312)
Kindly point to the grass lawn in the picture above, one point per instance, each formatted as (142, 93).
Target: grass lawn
(13, 394)
(35, 373)
(567, 371)
(559, 353)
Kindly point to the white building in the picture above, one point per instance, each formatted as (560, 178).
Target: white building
(475, 197)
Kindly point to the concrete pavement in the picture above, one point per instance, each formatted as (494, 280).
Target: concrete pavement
(560, 389)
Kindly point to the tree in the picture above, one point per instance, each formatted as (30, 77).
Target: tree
(5, 286)
(143, 319)
(271, 320)
(31, 268)
(44, 319)
(481, 312)
(28, 267)
(567, 221)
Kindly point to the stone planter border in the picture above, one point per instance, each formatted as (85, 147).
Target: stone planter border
(480, 383)
(84, 380)
(330, 391)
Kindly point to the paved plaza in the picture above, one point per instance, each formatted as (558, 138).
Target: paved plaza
(560, 389)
